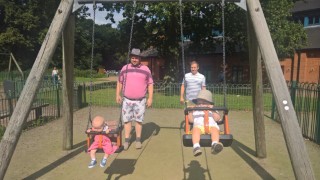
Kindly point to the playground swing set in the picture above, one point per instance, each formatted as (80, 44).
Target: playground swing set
(225, 136)
(260, 46)
(115, 127)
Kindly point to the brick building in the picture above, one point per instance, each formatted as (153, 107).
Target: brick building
(305, 66)
(151, 59)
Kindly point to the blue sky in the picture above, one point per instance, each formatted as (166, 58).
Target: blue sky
(100, 16)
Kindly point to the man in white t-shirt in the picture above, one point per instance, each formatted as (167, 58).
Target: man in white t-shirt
(192, 83)
(55, 75)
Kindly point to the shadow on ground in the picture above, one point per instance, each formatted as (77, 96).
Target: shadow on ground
(78, 148)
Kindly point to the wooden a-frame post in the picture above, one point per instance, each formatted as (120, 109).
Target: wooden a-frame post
(67, 84)
(22, 109)
(257, 91)
(295, 144)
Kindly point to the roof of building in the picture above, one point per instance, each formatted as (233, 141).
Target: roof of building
(306, 5)
(313, 37)
(151, 52)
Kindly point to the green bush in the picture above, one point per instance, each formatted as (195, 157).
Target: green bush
(86, 73)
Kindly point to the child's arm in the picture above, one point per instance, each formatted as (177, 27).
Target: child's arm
(216, 116)
(106, 129)
(190, 116)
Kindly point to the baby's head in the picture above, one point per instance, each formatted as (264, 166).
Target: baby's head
(98, 122)
(204, 97)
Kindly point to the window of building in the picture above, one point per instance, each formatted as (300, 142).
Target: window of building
(237, 74)
(317, 20)
(207, 72)
(311, 21)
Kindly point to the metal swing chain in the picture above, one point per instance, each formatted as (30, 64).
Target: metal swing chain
(92, 57)
(224, 54)
(131, 29)
(128, 57)
(182, 38)
(129, 45)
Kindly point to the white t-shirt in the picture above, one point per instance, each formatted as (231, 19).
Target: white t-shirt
(193, 84)
(55, 72)
(198, 118)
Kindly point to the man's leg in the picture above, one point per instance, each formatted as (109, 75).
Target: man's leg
(138, 134)
(138, 129)
(126, 117)
(139, 109)
(127, 130)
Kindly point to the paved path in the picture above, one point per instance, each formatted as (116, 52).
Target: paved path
(39, 156)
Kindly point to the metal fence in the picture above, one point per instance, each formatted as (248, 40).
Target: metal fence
(305, 98)
(167, 95)
(46, 106)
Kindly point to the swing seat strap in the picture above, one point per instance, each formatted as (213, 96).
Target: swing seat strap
(206, 122)
(100, 141)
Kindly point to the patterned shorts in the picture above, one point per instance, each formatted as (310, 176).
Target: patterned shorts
(133, 110)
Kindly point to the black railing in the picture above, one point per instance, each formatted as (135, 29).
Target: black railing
(47, 104)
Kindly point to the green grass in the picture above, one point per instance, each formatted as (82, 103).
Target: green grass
(85, 79)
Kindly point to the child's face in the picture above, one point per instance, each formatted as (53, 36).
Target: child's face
(202, 102)
(97, 124)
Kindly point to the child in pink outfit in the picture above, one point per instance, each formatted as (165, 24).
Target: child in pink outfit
(99, 125)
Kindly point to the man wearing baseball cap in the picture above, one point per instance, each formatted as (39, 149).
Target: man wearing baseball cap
(134, 81)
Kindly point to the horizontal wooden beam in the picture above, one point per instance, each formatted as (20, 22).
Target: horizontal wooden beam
(104, 1)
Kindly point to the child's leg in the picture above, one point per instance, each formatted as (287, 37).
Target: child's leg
(196, 132)
(93, 161)
(106, 156)
(215, 133)
(93, 154)
(104, 160)
(216, 146)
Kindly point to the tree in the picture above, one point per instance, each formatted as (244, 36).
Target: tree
(23, 26)
(158, 25)
(106, 44)
(287, 35)
(202, 24)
